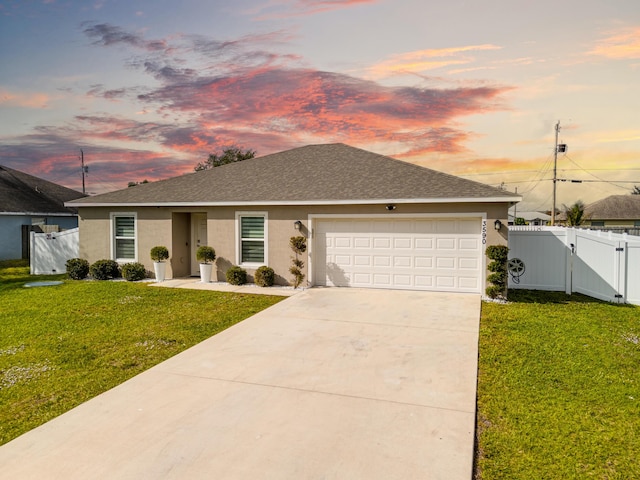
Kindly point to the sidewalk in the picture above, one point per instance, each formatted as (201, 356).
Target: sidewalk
(249, 288)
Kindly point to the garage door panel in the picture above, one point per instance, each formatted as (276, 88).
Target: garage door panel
(382, 242)
(445, 281)
(402, 280)
(402, 261)
(445, 262)
(343, 260)
(468, 282)
(429, 254)
(424, 281)
(402, 242)
(362, 242)
(362, 260)
(343, 242)
(446, 243)
(424, 262)
(381, 260)
(467, 263)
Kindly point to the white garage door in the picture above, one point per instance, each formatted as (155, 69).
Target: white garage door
(443, 254)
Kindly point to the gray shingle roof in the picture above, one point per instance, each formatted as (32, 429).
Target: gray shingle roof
(312, 174)
(615, 207)
(23, 193)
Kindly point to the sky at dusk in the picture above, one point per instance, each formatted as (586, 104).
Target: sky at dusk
(147, 89)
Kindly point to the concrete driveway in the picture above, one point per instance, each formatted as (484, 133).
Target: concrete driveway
(328, 384)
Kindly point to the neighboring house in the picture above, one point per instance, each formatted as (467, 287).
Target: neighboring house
(369, 220)
(614, 211)
(29, 203)
(531, 218)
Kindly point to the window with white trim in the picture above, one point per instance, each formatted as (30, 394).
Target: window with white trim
(252, 238)
(124, 236)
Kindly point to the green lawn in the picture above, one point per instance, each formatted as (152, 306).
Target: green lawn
(62, 345)
(558, 389)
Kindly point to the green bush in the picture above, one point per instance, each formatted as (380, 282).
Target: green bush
(493, 291)
(264, 276)
(205, 254)
(133, 272)
(77, 268)
(236, 276)
(159, 253)
(499, 255)
(499, 279)
(105, 270)
(298, 244)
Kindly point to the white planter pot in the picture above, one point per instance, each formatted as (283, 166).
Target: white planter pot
(160, 269)
(205, 272)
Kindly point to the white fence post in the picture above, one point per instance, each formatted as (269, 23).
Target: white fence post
(621, 265)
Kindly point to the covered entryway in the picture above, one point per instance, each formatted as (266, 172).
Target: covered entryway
(424, 253)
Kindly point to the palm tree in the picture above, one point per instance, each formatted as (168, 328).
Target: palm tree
(575, 213)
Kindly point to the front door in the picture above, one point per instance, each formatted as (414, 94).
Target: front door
(198, 238)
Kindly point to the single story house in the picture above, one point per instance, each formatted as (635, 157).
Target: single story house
(29, 203)
(369, 220)
(530, 218)
(614, 211)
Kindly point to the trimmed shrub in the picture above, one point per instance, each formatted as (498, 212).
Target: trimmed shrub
(159, 253)
(77, 268)
(299, 246)
(494, 291)
(133, 272)
(499, 254)
(264, 276)
(205, 254)
(105, 270)
(236, 275)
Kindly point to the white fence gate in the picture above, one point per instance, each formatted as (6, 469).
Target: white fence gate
(50, 251)
(600, 264)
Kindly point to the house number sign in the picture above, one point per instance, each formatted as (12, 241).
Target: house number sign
(484, 231)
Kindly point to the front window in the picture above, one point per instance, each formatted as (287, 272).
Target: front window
(597, 223)
(252, 234)
(124, 237)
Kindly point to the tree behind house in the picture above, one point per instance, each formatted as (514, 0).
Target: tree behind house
(575, 214)
(228, 155)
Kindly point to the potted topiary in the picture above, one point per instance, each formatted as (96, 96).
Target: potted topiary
(205, 256)
(159, 254)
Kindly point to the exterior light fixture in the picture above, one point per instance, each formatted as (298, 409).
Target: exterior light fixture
(391, 207)
(497, 224)
(297, 224)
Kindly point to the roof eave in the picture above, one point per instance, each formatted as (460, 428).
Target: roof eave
(377, 201)
(41, 214)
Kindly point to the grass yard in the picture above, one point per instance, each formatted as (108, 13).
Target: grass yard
(558, 389)
(62, 345)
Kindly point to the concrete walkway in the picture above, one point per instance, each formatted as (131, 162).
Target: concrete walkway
(193, 283)
(328, 384)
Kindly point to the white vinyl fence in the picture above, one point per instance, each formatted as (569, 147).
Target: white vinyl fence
(50, 251)
(602, 265)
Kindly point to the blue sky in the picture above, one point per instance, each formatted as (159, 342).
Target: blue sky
(149, 88)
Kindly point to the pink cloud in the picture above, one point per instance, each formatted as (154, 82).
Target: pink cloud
(620, 45)
(276, 9)
(212, 94)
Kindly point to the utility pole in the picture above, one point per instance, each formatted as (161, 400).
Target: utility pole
(84, 170)
(555, 175)
(515, 210)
